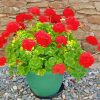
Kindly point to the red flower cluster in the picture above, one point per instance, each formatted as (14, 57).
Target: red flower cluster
(55, 18)
(2, 41)
(49, 12)
(43, 38)
(23, 16)
(12, 27)
(92, 40)
(28, 44)
(59, 27)
(59, 69)
(68, 12)
(72, 23)
(43, 18)
(2, 61)
(86, 59)
(61, 40)
(5, 34)
(34, 10)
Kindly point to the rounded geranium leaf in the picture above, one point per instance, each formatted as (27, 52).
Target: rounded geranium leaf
(72, 23)
(55, 18)
(2, 61)
(43, 38)
(61, 40)
(59, 69)
(12, 27)
(43, 18)
(59, 27)
(68, 12)
(5, 34)
(34, 10)
(92, 40)
(86, 59)
(49, 12)
(2, 41)
(28, 44)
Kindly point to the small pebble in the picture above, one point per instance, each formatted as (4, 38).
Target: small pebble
(15, 87)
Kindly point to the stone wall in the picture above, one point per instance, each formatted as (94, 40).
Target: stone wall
(87, 11)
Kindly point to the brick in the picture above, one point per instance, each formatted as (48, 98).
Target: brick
(97, 5)
(94, 19)
(40, 4)
(57, 5)
(88, 12)
(80, 6)
(14, 3)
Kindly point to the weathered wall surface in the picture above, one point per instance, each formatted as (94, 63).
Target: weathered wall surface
(87, 11)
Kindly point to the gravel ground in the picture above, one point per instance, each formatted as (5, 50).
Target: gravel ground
(16, 88)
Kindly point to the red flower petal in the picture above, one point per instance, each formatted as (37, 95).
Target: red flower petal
(5, 34)
(22, 26)
(92, 40)
(72, 23)
(28, 44)
(86, 59)
(2, 61)
(49, 12)
(2, 41)
(43, 38)
(59, 27)
(55, 18)
(12, 27)
(61, 40)
(43, 18)
(59, 69)
(68, 12)
(23, 16)
(34, 10)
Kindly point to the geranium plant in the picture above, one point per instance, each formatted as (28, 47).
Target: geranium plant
(44, 42)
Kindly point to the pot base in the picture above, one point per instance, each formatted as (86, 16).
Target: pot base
(52, 96)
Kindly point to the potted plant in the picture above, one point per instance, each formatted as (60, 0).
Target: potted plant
(43, 49)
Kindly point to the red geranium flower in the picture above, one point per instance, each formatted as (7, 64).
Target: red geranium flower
(2, 61)
(99, 47)
(43, 38)
(28, 44)
(2, 41)
(55, 18)
(23, 16)
(92, 40)
(22, 26)
(86, 59)
(59, 27)
(61, 40)
(68, 12)
(59, 69)
(34, 10)
(12, 27)
(43, 18)
(5, 34)
(72, 23)
(49, 12)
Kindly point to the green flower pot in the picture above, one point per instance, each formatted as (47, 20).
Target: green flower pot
(46, 85)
